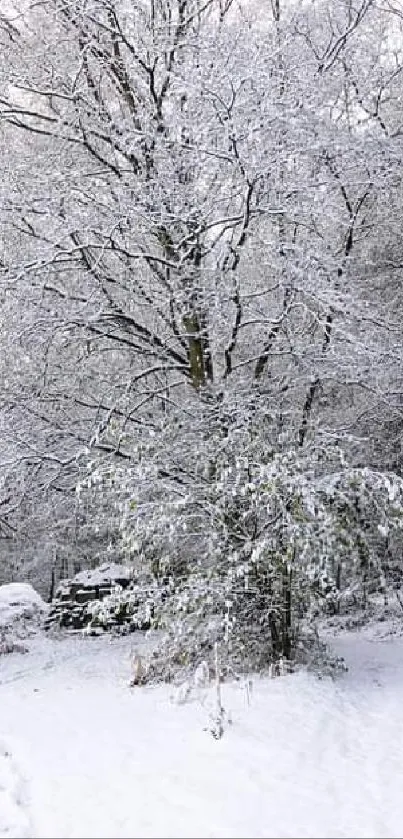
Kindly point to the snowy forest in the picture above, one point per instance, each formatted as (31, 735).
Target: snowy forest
(201, 290)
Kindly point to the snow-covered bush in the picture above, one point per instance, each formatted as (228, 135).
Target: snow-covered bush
(247, 538)
(22, 611)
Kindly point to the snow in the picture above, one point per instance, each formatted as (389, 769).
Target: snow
(84, 755)
(17, 601)
(103, 574)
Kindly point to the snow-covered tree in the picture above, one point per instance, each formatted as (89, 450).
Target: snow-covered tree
(209, 315)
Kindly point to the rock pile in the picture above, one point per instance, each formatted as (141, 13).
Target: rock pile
(106, 598)
(71, 605)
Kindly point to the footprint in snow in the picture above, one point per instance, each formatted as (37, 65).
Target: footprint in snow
(14, 817)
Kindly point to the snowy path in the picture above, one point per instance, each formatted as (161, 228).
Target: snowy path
(88, 757)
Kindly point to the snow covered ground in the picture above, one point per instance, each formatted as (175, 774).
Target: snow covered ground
(83, 755)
